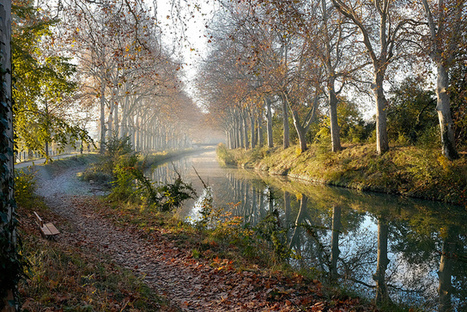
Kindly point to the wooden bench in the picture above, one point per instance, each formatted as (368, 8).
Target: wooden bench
(47, 229)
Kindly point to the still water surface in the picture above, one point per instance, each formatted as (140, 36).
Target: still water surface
(382, 246)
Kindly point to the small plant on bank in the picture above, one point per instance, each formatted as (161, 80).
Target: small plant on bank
(224, 156)
(132, 185)
(103, 171)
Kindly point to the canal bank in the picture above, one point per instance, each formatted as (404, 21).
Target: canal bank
(408, 171)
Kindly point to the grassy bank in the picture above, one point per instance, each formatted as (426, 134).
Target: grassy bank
(404, 170)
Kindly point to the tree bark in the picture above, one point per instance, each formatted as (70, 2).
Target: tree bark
(7, 204)
(301, 132)
(382, 142)
(269, 123)
(102, 118)
(253, 132)
(285, 116)
(443, 106)
(245, 129)
(335, 131)
(260, 129)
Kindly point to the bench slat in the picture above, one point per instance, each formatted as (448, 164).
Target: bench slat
(47, 229)
(52, 229)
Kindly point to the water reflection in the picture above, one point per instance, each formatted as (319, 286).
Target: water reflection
(386, 247)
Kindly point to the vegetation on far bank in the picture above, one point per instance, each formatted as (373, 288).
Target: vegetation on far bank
(405, 170)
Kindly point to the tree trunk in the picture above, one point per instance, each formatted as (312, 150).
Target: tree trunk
(245, 130)
(260, 130)
(335, 135)
(285, 115)
(9, 268)
(253, 132)
(269, 123)
(102, 119)
(240, 130)
(301, 131)
(443, 106)
(382, 143)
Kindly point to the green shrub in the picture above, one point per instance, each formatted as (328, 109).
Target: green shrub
(25, 185)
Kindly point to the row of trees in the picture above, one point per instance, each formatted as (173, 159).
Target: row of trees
(304, 59)
(81, 63)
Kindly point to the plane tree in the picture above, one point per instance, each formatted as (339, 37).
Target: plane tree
(447, 30)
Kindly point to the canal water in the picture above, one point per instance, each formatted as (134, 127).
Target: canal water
(381, 246)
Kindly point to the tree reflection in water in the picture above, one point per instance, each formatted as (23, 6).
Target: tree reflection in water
(386, 247)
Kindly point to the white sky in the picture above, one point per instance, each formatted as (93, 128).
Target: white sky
(189, 41)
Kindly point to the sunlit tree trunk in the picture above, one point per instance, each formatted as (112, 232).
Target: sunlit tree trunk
(301, 132)
(382, 142)
(245, 129)
(439, 55)
(285, 116)
(252, 127)
(269, 122)
(335, 132)
(102, 118)
(7, 204)
(387, 31)
(260, 129)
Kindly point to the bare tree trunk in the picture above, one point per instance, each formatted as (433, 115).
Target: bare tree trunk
(285, 115)
(335, 135)
(245, 129)
(102, 119)
(260, 129)
(443, 106)
(382, 142)
(253, 132)
(301, 132)
(269, 123)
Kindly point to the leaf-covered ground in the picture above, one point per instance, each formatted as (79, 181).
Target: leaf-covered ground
(167, 267)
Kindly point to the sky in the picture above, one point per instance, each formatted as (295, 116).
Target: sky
(190, 41)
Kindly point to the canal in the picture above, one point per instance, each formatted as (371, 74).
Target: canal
(383, 247)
